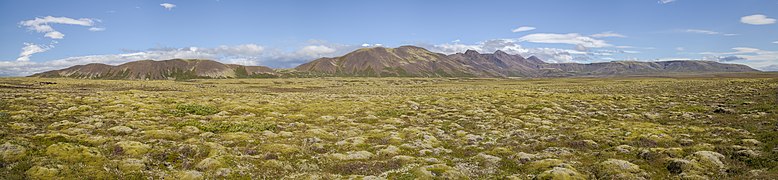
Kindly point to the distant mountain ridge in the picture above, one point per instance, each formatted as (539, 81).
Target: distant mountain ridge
(419, 62)
(166, 69)
(403, 61)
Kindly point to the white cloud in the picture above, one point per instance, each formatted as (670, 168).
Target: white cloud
(96, 29)
(511, 46)
(708, 32)
(523, 28)
(168, 6)
(371, 45)
(572, 38)
(775, 42)
(54, 35)
(245, 54)
(665, 1)
(43, 25)
(757, 19)
(608, 34)
(700, 31)
(29, 49)
(315, 50)
(238, 50)
(747, 55)
(723, 58)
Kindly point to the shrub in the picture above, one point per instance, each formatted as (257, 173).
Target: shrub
(196, 109)
(222, 126)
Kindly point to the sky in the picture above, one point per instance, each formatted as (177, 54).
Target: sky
(39, 35)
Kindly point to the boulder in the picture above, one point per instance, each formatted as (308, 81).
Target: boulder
(620, 169)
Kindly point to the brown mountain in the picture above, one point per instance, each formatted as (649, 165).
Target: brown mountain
(419, 62)
(380, 61)
(167, 69)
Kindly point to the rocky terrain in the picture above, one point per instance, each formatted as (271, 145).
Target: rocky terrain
(404, 61)
(390, 128)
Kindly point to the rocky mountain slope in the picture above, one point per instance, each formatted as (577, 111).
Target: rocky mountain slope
(167, 69)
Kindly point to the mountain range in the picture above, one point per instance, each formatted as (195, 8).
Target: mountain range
(403, 61)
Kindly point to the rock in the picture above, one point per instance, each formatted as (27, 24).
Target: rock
(747, 154)
(12, 152)
(133, 148)
(120, 130)
(560, 173)
(626, 149)
(211, 163)
(678, 166)
(708, 159)
(620, 169)
(438, 171)
(526, 157)
(354, 155)
(723, 110)
(38, 172)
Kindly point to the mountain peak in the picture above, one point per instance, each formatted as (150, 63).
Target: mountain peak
(471, 52)
(500, 52)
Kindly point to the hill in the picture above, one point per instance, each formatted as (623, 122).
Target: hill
(167, 69)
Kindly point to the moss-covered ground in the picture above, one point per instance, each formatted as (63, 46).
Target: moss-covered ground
(393, 128)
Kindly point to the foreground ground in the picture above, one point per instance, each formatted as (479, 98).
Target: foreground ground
(395, 128)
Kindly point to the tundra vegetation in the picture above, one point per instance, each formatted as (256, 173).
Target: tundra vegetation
(393, 128)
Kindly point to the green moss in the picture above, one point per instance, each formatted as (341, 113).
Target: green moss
(43, 173)
(75, 153)
(196, 109)
(226, 126)
(133, 148)
(12, 152)
(162, 134)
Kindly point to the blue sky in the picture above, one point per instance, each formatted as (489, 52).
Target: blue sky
(44, 35)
